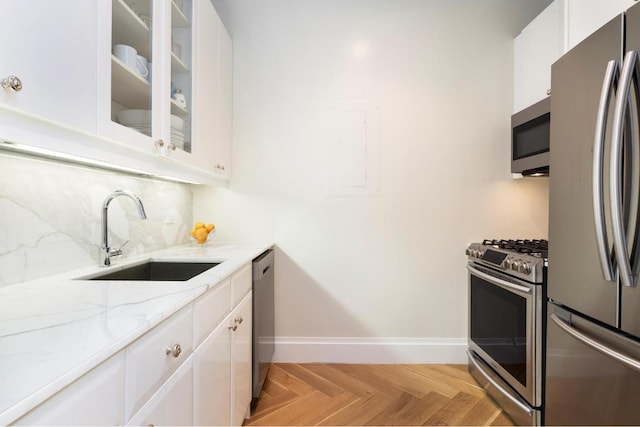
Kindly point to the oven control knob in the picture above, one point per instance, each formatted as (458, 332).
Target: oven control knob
(507, 263)
(516, 265)
(526, 268)
(467, 252)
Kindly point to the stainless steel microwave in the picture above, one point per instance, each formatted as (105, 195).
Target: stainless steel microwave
(530, 138)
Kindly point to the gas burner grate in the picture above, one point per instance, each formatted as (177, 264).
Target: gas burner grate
(534, 247)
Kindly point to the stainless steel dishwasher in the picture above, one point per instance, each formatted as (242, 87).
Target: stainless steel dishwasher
(263, 321)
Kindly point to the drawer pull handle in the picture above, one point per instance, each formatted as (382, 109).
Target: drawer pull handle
(238, 320)
(232, 328)
(174, 351)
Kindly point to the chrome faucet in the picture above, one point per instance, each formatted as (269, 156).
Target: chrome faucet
(105, 251)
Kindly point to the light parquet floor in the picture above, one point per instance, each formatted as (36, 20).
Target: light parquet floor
(344, 395)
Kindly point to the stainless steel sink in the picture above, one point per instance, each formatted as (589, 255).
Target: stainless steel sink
(157, 271)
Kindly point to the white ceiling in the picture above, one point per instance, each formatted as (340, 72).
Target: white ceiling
(521, 11)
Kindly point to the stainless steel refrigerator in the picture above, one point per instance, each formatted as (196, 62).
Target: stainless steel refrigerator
(593, 325)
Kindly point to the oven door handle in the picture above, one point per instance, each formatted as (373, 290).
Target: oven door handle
(501, 389)
(610, 81)
(498, 281)
(598, 346)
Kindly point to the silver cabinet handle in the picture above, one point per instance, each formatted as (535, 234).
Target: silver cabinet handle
(12, 82)
(622, 106)
(238, 320)
(599, 347)
(159, 143)
(174, 351)
(172, 146)
(611, 76)
(497, 281)
(232, 328)
(508, 395)
(548, 91)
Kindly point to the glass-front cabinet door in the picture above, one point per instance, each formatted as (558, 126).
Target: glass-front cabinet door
(160, 82)
(151, 76)
(181, 74)
(132, 65)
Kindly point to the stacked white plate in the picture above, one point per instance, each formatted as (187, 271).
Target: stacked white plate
(177, 137)
(140, 120)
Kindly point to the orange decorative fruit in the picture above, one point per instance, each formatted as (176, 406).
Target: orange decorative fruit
(201, 235)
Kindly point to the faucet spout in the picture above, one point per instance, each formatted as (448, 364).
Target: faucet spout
(105, 251)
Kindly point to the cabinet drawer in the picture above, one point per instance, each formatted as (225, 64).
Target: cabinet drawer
(240, 284)
(97, 398)
(148, 365)
(210, 309)
(172, 405)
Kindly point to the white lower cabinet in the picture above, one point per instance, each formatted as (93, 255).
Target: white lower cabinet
(241, 361)
(97, 398)
(160, 380)
(223, 370)
(213, 378)
(240, 284)
(172, 404)
(155, 356)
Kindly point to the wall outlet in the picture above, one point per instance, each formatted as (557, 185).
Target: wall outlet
(170, 218)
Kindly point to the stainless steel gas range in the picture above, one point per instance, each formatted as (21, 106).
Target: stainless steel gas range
(506, 323)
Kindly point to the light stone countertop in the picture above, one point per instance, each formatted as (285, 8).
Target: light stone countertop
(56, 329)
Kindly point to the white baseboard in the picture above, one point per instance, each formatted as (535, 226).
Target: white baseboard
(371, 350)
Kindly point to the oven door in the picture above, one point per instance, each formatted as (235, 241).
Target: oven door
(505, 318)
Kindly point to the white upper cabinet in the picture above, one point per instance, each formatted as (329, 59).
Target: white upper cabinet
(146, 82)
(225, 103)
(586, 16)
(161, 79)
(561, 26)
(135, 84)
(205, 120)
(538, 46)
(213, 100)
(52, 48)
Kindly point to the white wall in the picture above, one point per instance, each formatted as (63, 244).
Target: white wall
(385, 271)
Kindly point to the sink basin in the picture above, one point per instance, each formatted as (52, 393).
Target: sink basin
(157, 271)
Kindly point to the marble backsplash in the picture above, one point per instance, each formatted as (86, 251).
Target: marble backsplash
(50, 216)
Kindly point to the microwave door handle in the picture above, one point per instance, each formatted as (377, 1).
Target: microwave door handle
(609, 83)
(615, 180)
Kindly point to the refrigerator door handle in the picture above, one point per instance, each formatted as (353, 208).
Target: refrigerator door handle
(615, 193)
(594, 344)
(609, 83)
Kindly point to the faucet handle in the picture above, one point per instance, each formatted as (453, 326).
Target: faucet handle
(118, 251)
